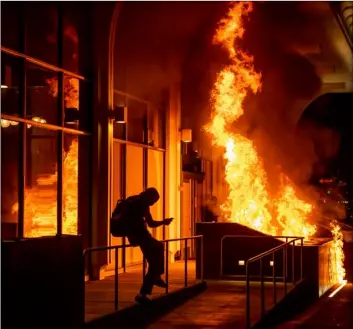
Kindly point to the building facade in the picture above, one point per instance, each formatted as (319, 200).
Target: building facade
(89, 116)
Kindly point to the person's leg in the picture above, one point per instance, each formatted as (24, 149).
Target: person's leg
(153, 251)
(147, 248)
(158, 263)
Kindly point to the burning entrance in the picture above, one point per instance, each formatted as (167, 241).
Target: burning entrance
(249, 201)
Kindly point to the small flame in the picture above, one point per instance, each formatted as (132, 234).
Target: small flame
(338, 272)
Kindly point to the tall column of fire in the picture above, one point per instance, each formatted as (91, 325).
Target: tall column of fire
(249, 202)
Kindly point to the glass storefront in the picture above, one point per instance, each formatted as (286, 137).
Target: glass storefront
(45, 120)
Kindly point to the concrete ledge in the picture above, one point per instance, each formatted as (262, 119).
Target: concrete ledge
(296, 301)
(139, 316)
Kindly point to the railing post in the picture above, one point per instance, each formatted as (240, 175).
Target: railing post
(284, 270)
(274, 278)
(116, 280)
(221, 261)
(293, 263)
(247, 297)
(124, 254)
(84, 282)
(301, 259)
(186, 264)
(166, 266)
(262, 288)
(201, 261)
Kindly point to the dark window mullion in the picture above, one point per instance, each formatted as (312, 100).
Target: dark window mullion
(61, 123)
(164, 191)
(23, 132)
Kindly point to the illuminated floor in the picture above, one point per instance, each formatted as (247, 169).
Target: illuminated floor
(100, 294)
(222, 306)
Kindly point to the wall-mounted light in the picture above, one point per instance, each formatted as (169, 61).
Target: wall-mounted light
(241, 262)
(39, 119)
(119, 114)
(71, 115)
(7, 123)
(186, 135)
(4, 87)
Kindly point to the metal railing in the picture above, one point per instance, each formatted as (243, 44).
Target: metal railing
(89, 251)
(260, 258)
(279, 237)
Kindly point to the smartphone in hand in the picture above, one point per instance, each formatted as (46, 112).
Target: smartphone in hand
(167, 221)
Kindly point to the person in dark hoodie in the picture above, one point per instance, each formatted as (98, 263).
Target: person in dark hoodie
(152, 249)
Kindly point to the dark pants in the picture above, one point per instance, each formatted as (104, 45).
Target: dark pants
(153, 250)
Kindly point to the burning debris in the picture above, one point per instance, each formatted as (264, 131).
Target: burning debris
(249, 201)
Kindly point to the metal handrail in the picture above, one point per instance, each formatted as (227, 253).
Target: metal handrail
(166, 242)
(260, 257)
(286, 237)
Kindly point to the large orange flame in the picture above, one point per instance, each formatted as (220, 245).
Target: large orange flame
(249, 202)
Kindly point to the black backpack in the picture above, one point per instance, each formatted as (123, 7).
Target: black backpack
(119, 221)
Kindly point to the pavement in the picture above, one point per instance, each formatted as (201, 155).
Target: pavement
(327, 313)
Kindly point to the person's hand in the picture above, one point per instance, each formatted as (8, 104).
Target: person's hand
(167, 221)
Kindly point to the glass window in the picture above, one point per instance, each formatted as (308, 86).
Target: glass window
(156, 127)
(77, 109)
(41, 183)
(117, 193)
(84, 188)
(117, 172)
(119, 128)
(134, 185)
(76, 186)
(76, 38)
(70, 184)
(10, 160)
(42, 31)
(10, 84)
(42, 94)
(155, 179)
(11, 12)
(136, 122)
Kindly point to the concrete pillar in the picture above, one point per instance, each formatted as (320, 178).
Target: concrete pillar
(102, 133)
(173, 158)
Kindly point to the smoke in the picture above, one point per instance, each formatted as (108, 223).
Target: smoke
(289, 84)
(278, 35)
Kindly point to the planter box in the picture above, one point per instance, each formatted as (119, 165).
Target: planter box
(43, 283)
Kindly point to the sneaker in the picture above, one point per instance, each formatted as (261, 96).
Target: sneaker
(161, 283)
(142, 299)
